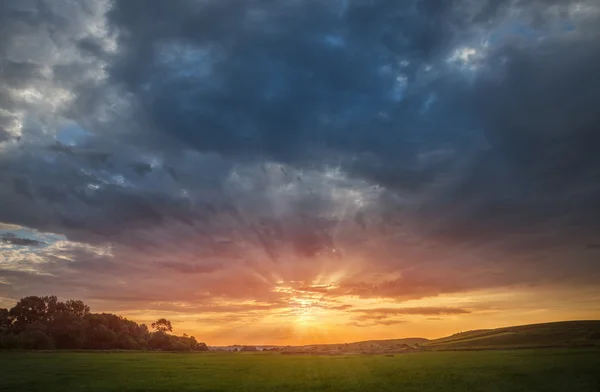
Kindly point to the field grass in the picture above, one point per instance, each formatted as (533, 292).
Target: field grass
(506, 371)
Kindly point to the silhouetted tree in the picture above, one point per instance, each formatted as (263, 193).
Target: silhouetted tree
(162, 325)
(198, 346)
(67, 330)
(76, 308)
(28, 311)
(100, 337)
(159, 341)
(124, 340)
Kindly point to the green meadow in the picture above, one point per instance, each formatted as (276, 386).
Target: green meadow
(495, 370)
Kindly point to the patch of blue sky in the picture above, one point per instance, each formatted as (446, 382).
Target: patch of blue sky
(72, 134)
(45, 239)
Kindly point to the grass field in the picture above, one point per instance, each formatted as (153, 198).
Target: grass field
(517, 370)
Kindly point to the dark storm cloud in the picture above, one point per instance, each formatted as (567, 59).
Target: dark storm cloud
(236, 131)
(319, 83)
(280, 80)
(540, 167)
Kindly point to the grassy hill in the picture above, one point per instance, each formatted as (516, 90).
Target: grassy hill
(558, 334)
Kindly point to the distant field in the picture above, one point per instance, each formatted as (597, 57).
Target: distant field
(503, 371)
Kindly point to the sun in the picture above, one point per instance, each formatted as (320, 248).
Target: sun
(304, 309)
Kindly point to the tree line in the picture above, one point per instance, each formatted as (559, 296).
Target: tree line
(42, 323)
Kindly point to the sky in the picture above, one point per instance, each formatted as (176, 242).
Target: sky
(303, 171)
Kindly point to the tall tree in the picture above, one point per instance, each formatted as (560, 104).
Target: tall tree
(162, 325)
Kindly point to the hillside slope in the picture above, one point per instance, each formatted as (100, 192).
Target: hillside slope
(557, 334)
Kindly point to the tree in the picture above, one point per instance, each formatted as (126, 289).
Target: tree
(159, 341)
(28, 310)
(162, 325)
(178, 345)
(140, 334)
(67, 330)
(5, 319)
(100, 337)
(76, 308)
(95, 320)
(125, 341)
(35, 309)
(53, 305)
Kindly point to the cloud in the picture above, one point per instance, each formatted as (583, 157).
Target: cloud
(10, 238)
(401, 150)
(424, 311)
(185, 268)
(371, 317)
(374, 323)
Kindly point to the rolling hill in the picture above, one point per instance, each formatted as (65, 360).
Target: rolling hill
(557, 334)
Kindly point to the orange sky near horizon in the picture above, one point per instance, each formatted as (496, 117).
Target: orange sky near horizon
(310, 319)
